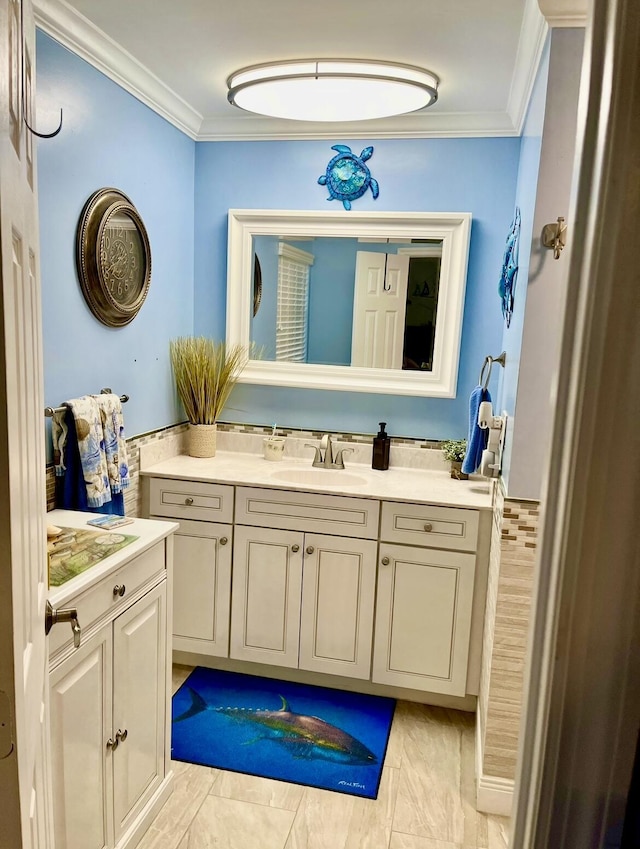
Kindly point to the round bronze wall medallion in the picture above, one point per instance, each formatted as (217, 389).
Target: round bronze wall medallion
(113, 257)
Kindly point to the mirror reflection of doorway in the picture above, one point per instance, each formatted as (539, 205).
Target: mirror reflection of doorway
(395, 307)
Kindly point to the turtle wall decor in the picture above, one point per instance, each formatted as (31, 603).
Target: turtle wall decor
(347, 177)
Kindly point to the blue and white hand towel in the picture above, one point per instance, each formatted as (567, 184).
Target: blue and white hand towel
(478, 438)
(115, 447)
(86, 415)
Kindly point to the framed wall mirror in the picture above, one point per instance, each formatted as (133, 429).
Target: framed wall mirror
(362, 302)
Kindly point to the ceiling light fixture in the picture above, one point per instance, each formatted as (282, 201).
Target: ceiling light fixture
(332, 89)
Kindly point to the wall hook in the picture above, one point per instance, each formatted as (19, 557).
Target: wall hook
(22, 87)
(554, 236)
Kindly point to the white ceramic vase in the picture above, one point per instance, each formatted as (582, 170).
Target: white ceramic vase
(202, 440)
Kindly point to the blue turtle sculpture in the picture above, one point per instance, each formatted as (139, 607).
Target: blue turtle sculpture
(347, 177)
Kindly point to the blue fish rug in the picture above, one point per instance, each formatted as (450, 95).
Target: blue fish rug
(307, 735)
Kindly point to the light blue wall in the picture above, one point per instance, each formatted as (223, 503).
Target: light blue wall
(455, 175)
(110, 139)
(525, 199)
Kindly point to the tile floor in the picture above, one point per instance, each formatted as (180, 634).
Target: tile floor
(425, 799)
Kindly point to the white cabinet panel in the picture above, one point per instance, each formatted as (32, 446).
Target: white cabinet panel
(202, 588)
(138, 704)
(80, 723)
(337, 605)
(423, 618)
(265, 607)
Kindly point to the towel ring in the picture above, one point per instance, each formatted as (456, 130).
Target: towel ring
(489, 361)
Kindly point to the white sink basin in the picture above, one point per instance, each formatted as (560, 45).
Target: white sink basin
(318, 477)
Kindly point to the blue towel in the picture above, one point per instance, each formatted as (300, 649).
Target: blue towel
(478, 438)
(71, 487)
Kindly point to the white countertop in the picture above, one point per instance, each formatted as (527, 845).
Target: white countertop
(148, 531)
(423, 486)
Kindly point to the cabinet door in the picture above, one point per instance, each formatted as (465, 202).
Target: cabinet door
(80, 722)
(338, 592)
(265, 605)
(423, 618)
(139, 688)
(202, 588)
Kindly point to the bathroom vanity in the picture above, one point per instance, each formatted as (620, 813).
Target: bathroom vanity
(361, 579)
(110, 688)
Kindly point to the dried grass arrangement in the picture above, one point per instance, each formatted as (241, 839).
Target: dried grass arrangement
(205, 373)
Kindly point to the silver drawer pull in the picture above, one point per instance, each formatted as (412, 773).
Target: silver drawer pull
(310, 549)
(119, 590)
(385, 561)
(428, 527)
(188, 501)
(295, 548)
(224, 540)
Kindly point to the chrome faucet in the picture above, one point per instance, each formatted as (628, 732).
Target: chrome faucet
(328, 461)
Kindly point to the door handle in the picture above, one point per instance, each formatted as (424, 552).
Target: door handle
(63, 614)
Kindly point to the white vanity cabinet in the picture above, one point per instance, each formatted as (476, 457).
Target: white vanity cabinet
(425, 597)
(109, 701)
(303, 600)
(202, 561)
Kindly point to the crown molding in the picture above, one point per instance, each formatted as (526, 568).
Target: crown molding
(425, 124)
(78, 34)
(564, 13)
(533, 34)
(67, 26)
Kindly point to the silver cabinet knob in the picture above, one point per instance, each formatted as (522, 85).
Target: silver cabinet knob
(385, 561)
(121, 736)
(224, 540)
(428, 526)
(188, 501)
(295, 548)
(119, 590)
(310, 549)
(112, 744)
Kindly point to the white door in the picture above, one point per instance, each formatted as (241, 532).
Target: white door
(81, 720)
(202, 588)
(24, 765)
(338, 593)
(379, 306)
(423, 618)
(265, 601)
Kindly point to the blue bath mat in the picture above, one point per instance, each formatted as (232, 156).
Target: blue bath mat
(307, 735)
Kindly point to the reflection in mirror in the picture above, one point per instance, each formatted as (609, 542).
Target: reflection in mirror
(348, 302)
(366, 302)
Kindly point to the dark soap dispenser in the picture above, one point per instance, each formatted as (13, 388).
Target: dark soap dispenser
(381, 446)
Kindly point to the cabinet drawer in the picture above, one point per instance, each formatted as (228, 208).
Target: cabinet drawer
(423, 524)
(100, 600)
(180, 499)
(306, 511)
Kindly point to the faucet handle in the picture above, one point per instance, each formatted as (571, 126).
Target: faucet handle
(339, 461)
(317, 459)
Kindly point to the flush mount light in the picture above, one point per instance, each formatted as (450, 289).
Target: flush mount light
(332, 89)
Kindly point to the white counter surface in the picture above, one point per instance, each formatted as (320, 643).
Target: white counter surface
(423, 486)
(148, 531)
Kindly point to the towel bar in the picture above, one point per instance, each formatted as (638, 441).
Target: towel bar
(49, 411)
(489, 361)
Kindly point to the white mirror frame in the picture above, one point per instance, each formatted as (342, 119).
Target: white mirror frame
(453, 228)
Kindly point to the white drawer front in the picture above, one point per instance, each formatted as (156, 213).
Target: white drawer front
(436, 527)
(179, 499)
(306, 511)
(102, 598)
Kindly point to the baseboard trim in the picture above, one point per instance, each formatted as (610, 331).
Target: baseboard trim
(494, 795)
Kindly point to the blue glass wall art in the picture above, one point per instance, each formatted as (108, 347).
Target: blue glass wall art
(347, 177)
(509, 273)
